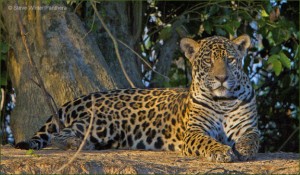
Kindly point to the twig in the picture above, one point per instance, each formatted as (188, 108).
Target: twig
(143, 60)
(34, 69)
(77, 6)
(114, 42)
(225, 171)
(84, 139)
(294, 132)
(2, 98)
(90, 28)
(48, 95)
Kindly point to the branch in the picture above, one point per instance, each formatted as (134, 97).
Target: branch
(167, 78)
(91, 29)
(35, 70)
(285, 142)
(39, 31)
(2, 98)
(114, 42)
(84, 139)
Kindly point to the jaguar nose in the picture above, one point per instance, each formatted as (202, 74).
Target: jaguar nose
(221, 78)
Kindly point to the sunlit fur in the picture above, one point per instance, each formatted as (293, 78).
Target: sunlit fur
(215, 118)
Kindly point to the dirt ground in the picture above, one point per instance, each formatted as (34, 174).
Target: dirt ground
(48, 161)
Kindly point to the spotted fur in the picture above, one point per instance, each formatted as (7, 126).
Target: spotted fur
(215, 118)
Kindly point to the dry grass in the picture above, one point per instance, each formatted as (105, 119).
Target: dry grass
(139, 162)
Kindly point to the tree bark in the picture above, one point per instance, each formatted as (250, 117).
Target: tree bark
(70, 63)
(118, 19)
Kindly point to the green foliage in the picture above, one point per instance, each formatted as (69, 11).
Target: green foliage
(4, 51)
(178, 74)
(278, 62)
(31, 152)
(165, 33)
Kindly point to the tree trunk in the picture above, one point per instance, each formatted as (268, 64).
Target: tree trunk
(70, 61)
(120, 22)
(167, 52)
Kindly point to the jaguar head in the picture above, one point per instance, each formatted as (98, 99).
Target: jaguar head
(217, 65)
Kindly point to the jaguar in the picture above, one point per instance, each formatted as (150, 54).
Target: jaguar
(214, 118)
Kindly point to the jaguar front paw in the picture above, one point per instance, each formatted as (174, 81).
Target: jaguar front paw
(69, 143)
(246, 147)
(222, 154)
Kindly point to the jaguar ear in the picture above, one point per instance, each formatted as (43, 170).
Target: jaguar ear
(243, 42)
(189, 47)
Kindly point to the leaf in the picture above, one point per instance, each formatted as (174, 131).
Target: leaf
(207, 27)
(235, 24)
(3, 80)
(220, 32)
(272, 58)
(280, 35)
(245, 15)
(165, 33)
(3, 56)
(213, 10)
(277, 67)
(30, 152)
(263, 13)
(47, 2)
(261, 23)
(285, 61)
(275, 49)
(298, 34)
(228, 28)
(297, 53)
(4, 47)
(282, 31)
(147, 43)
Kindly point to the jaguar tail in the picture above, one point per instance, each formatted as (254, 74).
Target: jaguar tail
(42, 138)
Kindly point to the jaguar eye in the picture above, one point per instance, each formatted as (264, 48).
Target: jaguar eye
(207, 60)
(231, 59)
